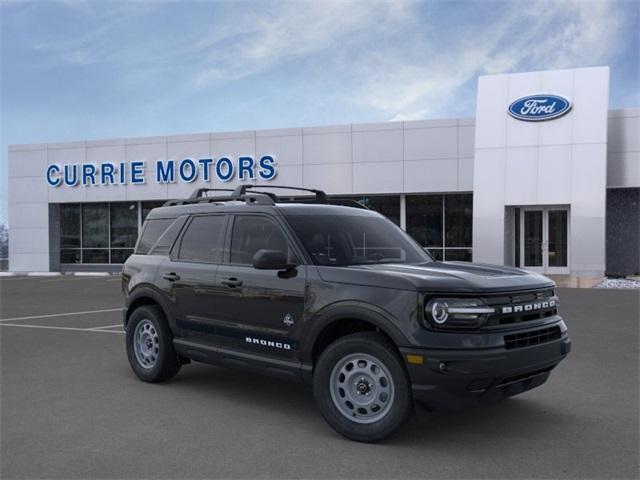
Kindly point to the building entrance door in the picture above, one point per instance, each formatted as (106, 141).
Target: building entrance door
(544, 239)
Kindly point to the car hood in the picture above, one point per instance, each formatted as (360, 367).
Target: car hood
(449, 277)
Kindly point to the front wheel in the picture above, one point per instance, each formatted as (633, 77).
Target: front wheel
(150, 345)
(361, 387)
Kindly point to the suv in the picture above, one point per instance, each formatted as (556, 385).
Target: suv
(336, 296)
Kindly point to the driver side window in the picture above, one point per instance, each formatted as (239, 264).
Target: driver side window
(252, 233)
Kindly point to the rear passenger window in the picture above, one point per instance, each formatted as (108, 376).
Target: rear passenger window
(203, 240)
(151, 232)
(168, 238)
(253, 233)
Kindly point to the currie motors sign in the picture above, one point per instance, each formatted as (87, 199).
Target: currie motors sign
(540, 107)
(186, 170)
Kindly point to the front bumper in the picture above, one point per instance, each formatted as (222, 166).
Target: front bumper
(450, 379)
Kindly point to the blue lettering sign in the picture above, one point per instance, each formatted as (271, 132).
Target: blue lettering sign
(165, 173)
(51, 180)
(137, 173)
(187, 170)
(224, 169)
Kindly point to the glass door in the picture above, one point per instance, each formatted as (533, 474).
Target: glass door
(532, 235)
(557, 244)
(544, 239)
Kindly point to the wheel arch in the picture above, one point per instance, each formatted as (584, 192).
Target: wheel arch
(144, 296)
(343, 319)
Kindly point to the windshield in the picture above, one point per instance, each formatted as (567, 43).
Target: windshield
(340, 240)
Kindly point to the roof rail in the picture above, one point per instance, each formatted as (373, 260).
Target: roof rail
(199, 193)
(321, 196)
(250, 196)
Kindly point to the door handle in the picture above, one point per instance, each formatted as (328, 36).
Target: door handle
(232, 282)
(172, 277)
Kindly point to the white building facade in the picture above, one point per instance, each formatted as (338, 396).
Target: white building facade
(545, 177)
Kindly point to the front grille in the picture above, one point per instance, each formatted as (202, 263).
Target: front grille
(534, 337)
(521, 299)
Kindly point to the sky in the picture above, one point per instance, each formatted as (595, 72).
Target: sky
(78, 70)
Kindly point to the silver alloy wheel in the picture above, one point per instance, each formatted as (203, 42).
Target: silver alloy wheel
(146, 343)
(362, 388)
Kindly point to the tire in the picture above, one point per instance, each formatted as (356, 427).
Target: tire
(152, 357)
(361, 387)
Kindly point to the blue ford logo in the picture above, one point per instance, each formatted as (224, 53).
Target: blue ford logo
(536, 108)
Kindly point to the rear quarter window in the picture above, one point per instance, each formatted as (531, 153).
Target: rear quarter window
(152, 231)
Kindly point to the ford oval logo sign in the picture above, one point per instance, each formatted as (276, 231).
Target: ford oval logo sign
(536, 108)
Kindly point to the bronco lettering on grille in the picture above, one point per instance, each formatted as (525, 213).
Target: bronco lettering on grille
(529, 307)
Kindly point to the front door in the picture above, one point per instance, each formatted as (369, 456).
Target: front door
(259, 311)
(544, 239)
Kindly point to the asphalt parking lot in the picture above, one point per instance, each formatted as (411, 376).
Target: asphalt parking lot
(71, 407)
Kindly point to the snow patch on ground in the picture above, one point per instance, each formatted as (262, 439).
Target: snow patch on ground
(618, 283)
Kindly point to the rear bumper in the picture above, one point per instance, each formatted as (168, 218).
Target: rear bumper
(453, 379)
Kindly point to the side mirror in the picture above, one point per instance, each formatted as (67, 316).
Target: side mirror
(270, 260)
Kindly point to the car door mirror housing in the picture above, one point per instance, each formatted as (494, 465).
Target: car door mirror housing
(271, 260)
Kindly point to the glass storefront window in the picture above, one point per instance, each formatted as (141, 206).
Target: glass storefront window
(443, 224)
(458, 254)
(98, 232)
(107, 232)
(120, 255)
(425, 219)
(70, 226)
(124, 225)
(95, 225)
(70, 255)
(95, 255)
(458, 214)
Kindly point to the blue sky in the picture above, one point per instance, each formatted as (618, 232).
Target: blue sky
(75, 70)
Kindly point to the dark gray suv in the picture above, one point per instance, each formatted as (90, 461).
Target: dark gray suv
(337, 296)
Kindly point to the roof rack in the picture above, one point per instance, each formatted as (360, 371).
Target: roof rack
(321, 196)
(200, 192)
(241, 193)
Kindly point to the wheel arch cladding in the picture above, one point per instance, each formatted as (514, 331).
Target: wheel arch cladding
(144, 297)
(346, 321)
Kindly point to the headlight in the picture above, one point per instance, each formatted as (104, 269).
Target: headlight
(457, 312)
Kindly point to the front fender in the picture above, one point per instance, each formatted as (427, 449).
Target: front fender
(373, 314)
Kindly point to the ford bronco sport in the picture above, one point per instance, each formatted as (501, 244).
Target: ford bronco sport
(337, 296)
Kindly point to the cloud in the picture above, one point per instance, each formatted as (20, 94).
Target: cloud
(539, 35)
(398, 59)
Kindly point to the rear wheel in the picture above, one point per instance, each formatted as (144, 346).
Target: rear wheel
(361, 387)
(150, 345)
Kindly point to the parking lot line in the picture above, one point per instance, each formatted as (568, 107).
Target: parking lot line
(33, 317)
(107, 326)
(49, 327)
(72, 279)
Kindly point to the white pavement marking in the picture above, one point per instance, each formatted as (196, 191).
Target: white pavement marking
(47, 327)
(91, 274)
(70, 278)
(61, 314)
(108, 326)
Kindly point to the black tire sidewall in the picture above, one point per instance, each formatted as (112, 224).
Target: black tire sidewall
(376, 346)
(167, 364)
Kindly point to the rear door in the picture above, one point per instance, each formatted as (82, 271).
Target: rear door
(190, 275)
(259, 311)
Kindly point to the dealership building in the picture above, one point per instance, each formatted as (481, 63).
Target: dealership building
(545, 177)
